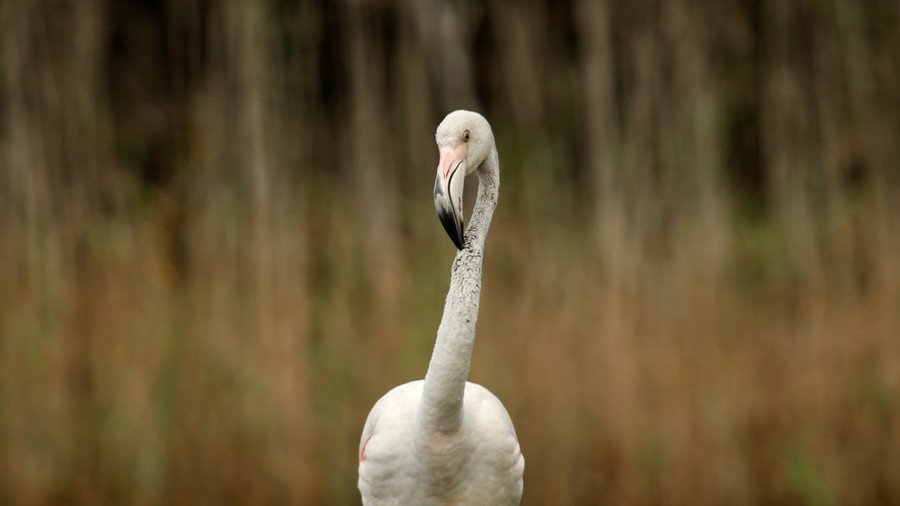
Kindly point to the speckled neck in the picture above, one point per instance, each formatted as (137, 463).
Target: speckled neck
(440, 409)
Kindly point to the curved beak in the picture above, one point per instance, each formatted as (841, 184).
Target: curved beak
(448, 191)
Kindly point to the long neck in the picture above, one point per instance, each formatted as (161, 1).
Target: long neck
(442, 397)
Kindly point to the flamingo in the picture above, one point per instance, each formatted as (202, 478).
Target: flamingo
(443, 440)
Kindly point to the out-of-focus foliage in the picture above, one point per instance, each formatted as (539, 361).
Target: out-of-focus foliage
(218, 246)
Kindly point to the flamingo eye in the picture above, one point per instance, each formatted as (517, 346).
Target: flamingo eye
(466, 136)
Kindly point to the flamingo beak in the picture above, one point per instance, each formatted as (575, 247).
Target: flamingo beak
(448, 191)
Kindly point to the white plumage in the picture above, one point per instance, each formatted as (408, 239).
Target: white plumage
(443, 440)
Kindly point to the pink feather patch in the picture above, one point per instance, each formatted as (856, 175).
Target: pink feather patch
(362, 453)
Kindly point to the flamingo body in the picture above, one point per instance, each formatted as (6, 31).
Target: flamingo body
(480, 464)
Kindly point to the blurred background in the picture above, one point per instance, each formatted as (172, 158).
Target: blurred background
(218, 245)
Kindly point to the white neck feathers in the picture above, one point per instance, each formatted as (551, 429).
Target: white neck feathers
(440, 409)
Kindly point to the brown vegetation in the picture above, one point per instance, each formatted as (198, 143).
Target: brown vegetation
(218, 247)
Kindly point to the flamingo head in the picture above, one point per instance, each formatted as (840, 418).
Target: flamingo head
(464, 141)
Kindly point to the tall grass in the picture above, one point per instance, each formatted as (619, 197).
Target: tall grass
(217, 246)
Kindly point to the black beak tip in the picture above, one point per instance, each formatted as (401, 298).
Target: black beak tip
(457, 240)
(452, 227)
(453, 231)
